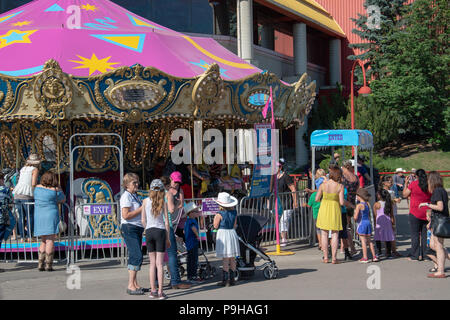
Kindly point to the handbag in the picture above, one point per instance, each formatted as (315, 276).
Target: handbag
(441, 226)
(62, 225)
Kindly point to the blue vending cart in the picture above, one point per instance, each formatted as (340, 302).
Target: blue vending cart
(359, 139)
(362, 139)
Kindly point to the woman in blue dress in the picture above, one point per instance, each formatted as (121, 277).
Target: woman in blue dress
(47, 196)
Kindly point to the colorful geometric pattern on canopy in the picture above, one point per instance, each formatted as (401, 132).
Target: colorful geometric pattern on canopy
(39, 31)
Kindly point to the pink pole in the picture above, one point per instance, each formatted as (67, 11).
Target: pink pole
(277, 232)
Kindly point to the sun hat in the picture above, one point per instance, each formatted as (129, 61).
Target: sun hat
(224, 199)
(190, 206)
(399, 170)
(33, 159)
(348, 163)
(157, 185)
(176, 176)
(363, 193)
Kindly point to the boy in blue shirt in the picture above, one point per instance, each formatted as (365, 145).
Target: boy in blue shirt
(192, 239)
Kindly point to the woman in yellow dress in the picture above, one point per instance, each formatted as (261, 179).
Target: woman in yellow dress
(330, 217)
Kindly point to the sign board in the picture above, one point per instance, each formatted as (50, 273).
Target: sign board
(209, 207)
(260, 186)
(261, 178)
(93, 209)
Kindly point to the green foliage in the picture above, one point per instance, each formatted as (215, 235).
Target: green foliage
(376, 118)
(409, 59)
(375, 32)
(414, 83)
(325, 114)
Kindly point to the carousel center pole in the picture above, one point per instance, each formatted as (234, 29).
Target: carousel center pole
(58, 164)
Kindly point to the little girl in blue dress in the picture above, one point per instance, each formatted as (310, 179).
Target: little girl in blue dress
(364, 230)
(227, 241)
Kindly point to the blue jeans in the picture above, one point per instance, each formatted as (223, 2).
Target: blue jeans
(192, 263)
(26, 217)
(133, 239)
(173, 260)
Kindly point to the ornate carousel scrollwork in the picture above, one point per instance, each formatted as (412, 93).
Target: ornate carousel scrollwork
(208, 90)
(98, 191)
(139, 149)
(53, 91)
(8, 149)
(300, 101)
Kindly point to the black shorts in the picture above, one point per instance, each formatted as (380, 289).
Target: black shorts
(155, 239)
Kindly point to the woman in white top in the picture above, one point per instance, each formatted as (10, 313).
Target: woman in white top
(156, 222)
(132, 230)
(24, 197)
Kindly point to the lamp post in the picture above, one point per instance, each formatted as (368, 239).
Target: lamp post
(365, 90)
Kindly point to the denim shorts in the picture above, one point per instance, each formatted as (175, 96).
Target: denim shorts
(132, 236)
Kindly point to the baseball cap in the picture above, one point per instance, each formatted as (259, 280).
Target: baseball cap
(156, 185)
(176, 176)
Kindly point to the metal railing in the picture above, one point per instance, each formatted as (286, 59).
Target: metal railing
(295, 218)
(22, 246)
(95, 237)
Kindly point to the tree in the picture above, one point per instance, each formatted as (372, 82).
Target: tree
(371, 116)
(381, 17)
(326, 113)
(413, 83)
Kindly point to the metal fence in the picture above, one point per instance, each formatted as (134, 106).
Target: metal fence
(22, 246)
(88, 239)
(95, 237)
(294, 216)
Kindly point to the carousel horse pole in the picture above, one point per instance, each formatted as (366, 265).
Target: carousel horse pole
(192, 167)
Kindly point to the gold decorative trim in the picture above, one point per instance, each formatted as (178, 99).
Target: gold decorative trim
(208, 90)
(53, 91)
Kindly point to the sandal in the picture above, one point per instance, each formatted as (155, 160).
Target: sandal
(335, 262)
(439, 276)
(433, 270)
(325, 260)
(137, 292)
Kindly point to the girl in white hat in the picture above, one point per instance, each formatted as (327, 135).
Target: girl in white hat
(227, 242)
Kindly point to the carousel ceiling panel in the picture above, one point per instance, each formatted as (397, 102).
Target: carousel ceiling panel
(109, 37)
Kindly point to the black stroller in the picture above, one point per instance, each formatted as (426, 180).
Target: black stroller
(205, 269)
(249, 229)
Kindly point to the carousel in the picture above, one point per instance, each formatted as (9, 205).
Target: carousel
(71, 67)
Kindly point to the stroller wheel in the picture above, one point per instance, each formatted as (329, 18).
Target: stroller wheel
(182, 271)
(270, 272)
(237, 275)
(204, 274)
(166, 274)
(213, 272)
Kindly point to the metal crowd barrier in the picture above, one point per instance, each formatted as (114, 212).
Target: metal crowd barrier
(95, 237)
(25, 249)
(299, 218)
(207, 232)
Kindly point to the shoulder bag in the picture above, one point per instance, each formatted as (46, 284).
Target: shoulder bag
(440, 225)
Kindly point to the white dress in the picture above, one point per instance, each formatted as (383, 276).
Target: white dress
(227, 241)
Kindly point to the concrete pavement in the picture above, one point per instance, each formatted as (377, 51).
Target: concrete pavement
(302, 276)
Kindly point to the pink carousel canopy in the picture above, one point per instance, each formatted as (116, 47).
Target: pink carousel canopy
(106, 37)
